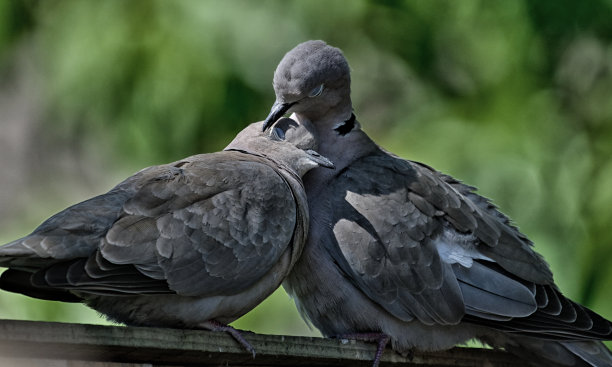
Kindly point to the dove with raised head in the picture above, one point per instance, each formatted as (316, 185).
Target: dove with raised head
(400, 252)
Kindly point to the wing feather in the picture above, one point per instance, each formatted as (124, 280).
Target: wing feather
(423, 245)
(209, 224)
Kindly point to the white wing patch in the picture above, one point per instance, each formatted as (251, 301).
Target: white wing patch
(456, 248)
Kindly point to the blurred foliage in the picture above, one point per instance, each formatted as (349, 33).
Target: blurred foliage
(510, 96)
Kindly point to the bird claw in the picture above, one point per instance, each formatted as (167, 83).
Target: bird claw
(380, 339)
(236, 334)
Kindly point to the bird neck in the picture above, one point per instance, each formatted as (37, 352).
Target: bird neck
(342, 142)
(334, 111)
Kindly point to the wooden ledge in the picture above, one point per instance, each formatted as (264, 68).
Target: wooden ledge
(96, 345)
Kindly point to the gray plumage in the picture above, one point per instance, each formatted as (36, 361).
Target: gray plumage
(398, 248)
(202, 239)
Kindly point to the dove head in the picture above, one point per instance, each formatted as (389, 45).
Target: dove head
(287, 143)
(313, 80)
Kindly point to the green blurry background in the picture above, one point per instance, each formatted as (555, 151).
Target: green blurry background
(514, 97)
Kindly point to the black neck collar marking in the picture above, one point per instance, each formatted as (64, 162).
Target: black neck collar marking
(346, 126)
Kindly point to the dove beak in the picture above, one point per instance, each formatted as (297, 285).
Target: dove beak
(278, 110)
(319, 159)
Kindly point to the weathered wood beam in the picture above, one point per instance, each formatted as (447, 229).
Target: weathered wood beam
(96, 345)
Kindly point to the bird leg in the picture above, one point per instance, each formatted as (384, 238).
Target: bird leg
(214, 325)
(380, 338)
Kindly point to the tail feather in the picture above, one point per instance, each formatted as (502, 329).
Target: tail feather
(17, 281)
(547, 353)
(594, 353)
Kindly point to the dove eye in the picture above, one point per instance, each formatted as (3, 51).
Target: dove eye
(316, 92)
(278, 133)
